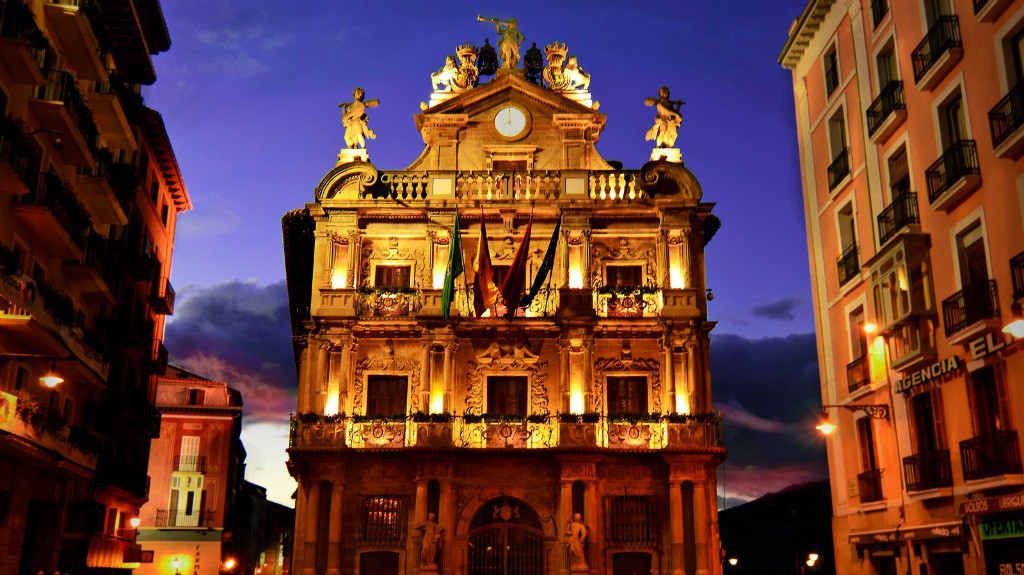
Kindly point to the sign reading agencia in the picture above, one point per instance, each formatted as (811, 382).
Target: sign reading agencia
(934, 371)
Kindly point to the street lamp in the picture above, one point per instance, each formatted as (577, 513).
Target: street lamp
(176, 563)
(733, 561)
(1016, 325)
(134, 522)
(229, 563)
(50, 379)
(873, 410)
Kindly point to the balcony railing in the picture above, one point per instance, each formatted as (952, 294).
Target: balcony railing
(195, 463)
(956, 163)
(943, 36)
(858, 373)
(178, 518)
(162, 296)
(990, 454)
(65, 207)
(899, 214)
(870, 485)
(849, 264)
(1007, 115)
(1017, 276)
(928, 470)
(976, 302)
(879, 8)
(888, 101)
(627, 301)
(17, 151)
(61, 87)
(591, 431)
(18, 23)
(388, 302)
(839, 169)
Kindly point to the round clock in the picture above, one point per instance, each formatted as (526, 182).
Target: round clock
(510, 121)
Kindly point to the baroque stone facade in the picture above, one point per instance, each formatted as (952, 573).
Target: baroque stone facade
(593, 399)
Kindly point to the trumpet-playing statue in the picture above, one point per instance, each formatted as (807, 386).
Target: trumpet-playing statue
(666, 123)
(508, 44)
(353, 117)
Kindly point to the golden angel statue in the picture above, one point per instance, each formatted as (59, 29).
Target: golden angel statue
(353, 117)
(666, 123)
(508, 44)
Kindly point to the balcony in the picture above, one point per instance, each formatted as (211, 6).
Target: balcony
(1005, 120)
(18, 156)
(990, 455)
(839, 169)
(911, 341)
(23, 46)
(111, 116)
(193, 463)
(45, 428)
(628, 301)
(60, 106)
(849, 265)
(938, 52)
(202, 519)
(966, 311)
(55, 217)
(928, 470)
(92, 273)
(387, 302)
(858, 373)
(989, 10)
(901, 213)
(870, 486)
(131, 50)
(1017, 276)
(954, 175)
(161, 299)
(887, 112)
(81, 47)
(157, 364)
(589, 431)
(879, 8)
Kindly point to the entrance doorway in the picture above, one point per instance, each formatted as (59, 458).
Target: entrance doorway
(378, 563)
(631, 564)
(505, 538)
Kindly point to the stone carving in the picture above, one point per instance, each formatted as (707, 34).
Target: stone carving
(507, 357)
(561, 74)
(650, 366)
(445, 77)
(533, 65)
(457, 76)
(667, 121)
(576, 538)
(391, 365)
(430, 534)
(509, 42)
(669, 179)
(488, 60)
(600, 252)
(353, 117)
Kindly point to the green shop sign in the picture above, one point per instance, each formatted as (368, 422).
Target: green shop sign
(1003, 527)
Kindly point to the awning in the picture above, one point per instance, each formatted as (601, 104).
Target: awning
(932, 531)
(874, 536)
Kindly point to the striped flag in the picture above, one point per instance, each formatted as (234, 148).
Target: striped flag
(512, 287)
(484, 290)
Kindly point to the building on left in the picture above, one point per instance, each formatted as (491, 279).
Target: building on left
(90, 192)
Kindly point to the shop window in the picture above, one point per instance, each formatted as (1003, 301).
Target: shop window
(386, 394)
(627, 394)
(392, 276)
(506, 395)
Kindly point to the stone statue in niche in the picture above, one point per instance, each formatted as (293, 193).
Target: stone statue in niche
(667, 121)
(353, 117)
(431, 536)
(576, 534)
(509, 42)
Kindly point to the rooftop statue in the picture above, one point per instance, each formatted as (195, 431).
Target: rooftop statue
(561, 74)
(353, 117)
(488, 61)
(509, 42)
(533, 65)
(457, 76)
(666, 123)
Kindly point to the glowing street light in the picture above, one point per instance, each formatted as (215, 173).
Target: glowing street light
(176, 563)
(229, 563)
(1016, 325)
(51, 379)
(873, 410)
(134, 522)
(733, 561)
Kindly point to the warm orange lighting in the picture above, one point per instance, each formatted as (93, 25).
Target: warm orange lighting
(331, 407)
(229, 564)
(733, 561)
(825, 427)
(870, 327)
(812, 556)
(175, 563)
(134, 522)
(810, 562)
(1016, 325)
(51, 379)
(436, 402)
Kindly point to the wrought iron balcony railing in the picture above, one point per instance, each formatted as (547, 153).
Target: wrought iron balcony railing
(60, 86)
(1007, 116)
(977, 301)
(928, 470)
(956, 163)
(849, 264)
(839, 169)
(199, 518)
(990, 454)
(888, 101)
(858, 373)
(64, 205)
(943, 36)
(1017, 276)
(899, 214)
(879, 8)
(870, 485)
(194, 463)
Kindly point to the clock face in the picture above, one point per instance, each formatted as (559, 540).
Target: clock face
(510, 121)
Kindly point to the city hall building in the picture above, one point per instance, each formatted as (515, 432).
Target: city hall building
(468, 404)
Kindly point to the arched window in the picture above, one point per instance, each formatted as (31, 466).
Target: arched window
(505, 538)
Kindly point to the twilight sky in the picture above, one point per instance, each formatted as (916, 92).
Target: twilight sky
(249, 92)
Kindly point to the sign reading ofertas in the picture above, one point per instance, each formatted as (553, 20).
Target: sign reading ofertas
(933, 371)
(1003, 527)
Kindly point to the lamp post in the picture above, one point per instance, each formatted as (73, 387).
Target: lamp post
(176, 563)
(872, 410)
(1016, 325)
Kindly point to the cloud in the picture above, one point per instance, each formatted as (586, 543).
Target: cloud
(238, 333)
(783, 310)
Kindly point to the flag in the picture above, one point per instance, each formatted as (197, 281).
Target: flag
(512, 287)
(545, 266)
(455, 268)
(484, 290)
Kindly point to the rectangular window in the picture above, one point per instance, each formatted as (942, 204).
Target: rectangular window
(386, 394)
(866, 440)
(971, 252)
(506, 395)
(383, 520)
(899, 172)
(926, 413)
(627, 394)
(392, 276)
(196, 396)
(831, 71)
(988, 402)
(632, 521)
(953, 124)
(624, 276)
(887, 71)
(837, 134)
(498, 274)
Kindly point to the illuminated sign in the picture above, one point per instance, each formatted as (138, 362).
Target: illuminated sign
(933, 371)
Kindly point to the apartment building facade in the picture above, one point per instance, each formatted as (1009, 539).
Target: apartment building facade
(909, 120)
(572, 434)
(89, 197)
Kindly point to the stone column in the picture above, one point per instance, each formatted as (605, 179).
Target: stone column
(692, 380)
(701, 526)
(594, 521)
(686, 258)
(669, 384)
(448, 374)
(427, 382)
(585, 260)
(334, 536)
(355, 247)
(563, 250)
(676, 526)
(321, 376)
(564, 514)
(312, 510)
(304, 388)
(446, 520)
(664, 260)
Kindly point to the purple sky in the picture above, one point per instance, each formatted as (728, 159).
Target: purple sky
(249, 92)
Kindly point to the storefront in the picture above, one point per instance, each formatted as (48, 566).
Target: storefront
(998, 522)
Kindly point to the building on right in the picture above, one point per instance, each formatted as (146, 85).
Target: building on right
(910, 121)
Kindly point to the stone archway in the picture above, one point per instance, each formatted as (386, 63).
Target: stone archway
(506, 537)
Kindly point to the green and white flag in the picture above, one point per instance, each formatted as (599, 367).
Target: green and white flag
(455, 268)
